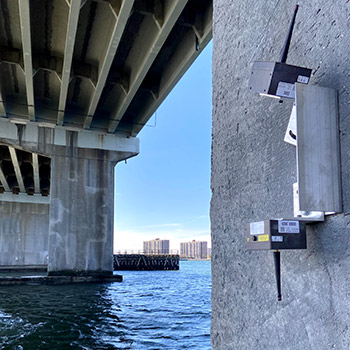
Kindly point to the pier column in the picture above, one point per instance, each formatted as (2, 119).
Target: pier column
(81, 211)
(23, 232)
(79, 221)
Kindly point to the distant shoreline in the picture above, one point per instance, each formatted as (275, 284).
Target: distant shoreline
(187, 259)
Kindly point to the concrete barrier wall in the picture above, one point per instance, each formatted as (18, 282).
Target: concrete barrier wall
(24, 232)
(252, 175)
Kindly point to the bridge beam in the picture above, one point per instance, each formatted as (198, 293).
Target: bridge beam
(24, 11)
(186, 53)
(2, 104)
(72, 26)
(140, 60)
(17, 169)
(36, 173)
(116, 36)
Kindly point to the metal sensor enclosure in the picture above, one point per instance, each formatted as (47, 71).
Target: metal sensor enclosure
(276, 235)
(277, 79)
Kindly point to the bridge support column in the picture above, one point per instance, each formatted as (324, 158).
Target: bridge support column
(80, 218)
(23, 233)
(81, 211)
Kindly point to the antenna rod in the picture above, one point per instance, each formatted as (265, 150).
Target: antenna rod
(277, 259)
(289, 36)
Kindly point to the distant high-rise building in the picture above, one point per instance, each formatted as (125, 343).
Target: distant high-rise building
(194, 250)
(156, 246)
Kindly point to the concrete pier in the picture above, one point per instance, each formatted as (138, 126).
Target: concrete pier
(73, 233)
(24, 231)
(81, 212)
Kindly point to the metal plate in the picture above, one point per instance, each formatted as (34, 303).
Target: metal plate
(318, 158)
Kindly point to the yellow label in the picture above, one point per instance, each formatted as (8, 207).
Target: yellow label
(263, 238)
(248, 239)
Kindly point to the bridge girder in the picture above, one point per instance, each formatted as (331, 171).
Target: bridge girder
(102, 65)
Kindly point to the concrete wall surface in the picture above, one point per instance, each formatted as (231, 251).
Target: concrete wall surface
(253, 170)
(81, 211)
(24, 233)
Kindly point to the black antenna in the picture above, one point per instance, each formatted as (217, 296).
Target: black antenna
(289, 36)
(277, 259)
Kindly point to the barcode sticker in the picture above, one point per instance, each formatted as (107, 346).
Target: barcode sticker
(277, 238)
(285, 226)
(285, 90)
(303, 79)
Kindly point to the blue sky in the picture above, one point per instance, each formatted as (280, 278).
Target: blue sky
(164, 192)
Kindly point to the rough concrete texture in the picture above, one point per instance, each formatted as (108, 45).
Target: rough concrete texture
(81, 210)
(24, 232)
(252, 175)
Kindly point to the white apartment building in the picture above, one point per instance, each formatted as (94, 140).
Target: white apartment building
(156, 246)
(194, 250)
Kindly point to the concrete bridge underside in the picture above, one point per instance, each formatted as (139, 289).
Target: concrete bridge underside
(78, 81)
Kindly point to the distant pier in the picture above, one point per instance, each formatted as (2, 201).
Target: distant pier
(145, 262)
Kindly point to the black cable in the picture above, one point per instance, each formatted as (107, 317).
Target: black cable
(277, 260)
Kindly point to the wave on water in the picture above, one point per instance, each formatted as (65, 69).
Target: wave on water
(148, 310)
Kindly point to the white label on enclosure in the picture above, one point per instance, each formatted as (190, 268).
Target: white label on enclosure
(257, 228)
(285, 226)
(285, 90)
(291, 132)
(277, 238)
(303, 79)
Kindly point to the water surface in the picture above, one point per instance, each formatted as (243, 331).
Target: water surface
(149, 310)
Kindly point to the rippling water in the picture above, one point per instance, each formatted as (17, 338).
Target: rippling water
(149, 310)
